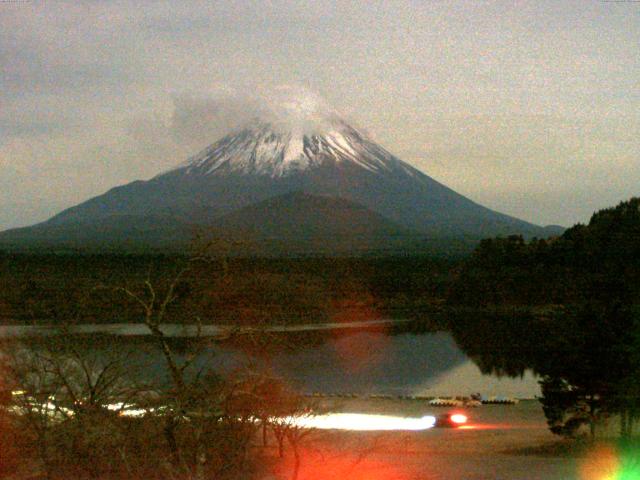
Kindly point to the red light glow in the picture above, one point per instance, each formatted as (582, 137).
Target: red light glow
(459, 418)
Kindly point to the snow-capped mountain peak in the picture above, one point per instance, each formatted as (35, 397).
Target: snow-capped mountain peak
(277, 149)
(293, 131)
(297, 176)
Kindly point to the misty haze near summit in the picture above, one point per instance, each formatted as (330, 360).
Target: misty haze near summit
(529, 109)
(295, 178)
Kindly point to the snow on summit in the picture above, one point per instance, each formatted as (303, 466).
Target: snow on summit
(293, 144)
(298, 132)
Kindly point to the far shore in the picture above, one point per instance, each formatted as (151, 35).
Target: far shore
(184, 330)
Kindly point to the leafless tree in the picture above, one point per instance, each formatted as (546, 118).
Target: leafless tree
(75, 391)
(196, 400)
(61, 397)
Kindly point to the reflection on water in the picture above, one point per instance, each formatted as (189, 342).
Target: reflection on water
(426, 364)
(467, 378)
(369, 362)
(408, 364)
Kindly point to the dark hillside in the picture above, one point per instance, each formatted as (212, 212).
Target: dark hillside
(55, 288)
(587, 262)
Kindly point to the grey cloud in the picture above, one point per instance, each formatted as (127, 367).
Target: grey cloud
(32, 72)
(202, 119)
(28, 128)
(115, 90)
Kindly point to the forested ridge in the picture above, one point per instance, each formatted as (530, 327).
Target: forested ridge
(583, 334)
(597, 261)
(58, 288)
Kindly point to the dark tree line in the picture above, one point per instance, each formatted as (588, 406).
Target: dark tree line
(46, 288)
(568, 308)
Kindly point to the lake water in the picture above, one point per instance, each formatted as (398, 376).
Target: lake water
(360, 362)
(407, 364)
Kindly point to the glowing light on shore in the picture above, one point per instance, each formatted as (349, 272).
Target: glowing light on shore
(459, 418)
(129, 410)
(362, 422)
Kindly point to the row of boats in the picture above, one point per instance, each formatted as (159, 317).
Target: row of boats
(471, 402)
(474, 400)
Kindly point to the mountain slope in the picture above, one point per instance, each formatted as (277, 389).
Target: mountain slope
(119, 232)
(324, 157)
(299, 222)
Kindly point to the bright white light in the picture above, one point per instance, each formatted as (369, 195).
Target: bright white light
(116, 406)
(48, 409)
(361, 422)
(135, 412)
(458, 418)
(129, 410)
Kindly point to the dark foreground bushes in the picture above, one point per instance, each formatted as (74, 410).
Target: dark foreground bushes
(107, 446)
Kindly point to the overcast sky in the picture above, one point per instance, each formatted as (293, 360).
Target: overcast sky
(531, 108)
